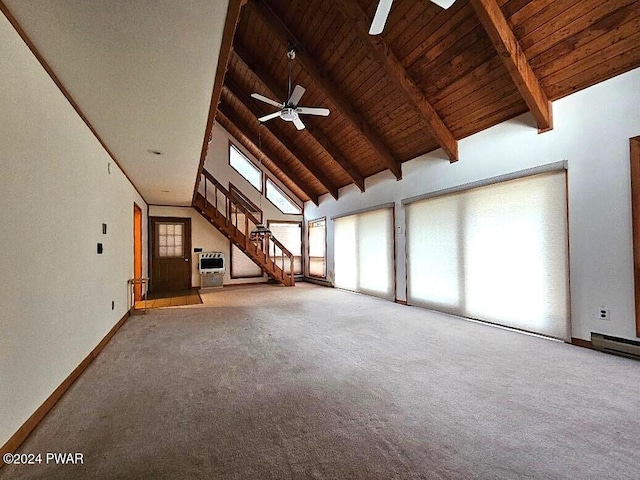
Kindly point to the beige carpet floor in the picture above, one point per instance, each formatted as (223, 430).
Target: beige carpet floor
(267, 382)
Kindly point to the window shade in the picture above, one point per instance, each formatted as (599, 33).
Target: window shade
(497, 253)
(364, 253)
(317, 232)
(290, 235)
(242, 266)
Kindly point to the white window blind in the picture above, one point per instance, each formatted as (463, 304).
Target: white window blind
(290, 235)
(242, 266)
(317, 240)
(364, 253)
(497, 253)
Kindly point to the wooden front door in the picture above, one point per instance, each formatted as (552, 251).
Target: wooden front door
(170, 247)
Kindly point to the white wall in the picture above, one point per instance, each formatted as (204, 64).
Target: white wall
(205, 236)
(592, 131)
(56, 191)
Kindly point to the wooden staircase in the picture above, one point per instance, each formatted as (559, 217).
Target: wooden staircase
(235, 222)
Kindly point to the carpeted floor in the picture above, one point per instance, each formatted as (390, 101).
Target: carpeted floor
(267, 382)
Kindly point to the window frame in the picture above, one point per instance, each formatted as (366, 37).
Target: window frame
(296, 222)
(286, 197)
(258, 169)
(323, 277)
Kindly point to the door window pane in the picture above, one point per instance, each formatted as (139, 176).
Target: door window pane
(169, 236)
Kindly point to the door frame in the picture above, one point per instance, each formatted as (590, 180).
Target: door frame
(187, 245)
(634, 157)
(137, 250)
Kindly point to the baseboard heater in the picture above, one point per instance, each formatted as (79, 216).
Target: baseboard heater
(617, 346)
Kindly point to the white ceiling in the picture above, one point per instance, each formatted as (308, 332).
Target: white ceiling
(142, 71)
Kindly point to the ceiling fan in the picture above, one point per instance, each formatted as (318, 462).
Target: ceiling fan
(384, 7)
(289, 110)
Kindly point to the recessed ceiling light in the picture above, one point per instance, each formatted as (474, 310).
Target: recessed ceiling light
(154, 152)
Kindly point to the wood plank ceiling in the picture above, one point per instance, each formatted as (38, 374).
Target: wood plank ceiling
(433, 77)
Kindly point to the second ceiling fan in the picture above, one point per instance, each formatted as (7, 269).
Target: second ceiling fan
(384, 7)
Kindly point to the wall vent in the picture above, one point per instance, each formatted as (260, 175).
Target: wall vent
(617, 346)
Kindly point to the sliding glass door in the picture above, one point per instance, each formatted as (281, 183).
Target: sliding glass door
(497, 253)
(364, 253)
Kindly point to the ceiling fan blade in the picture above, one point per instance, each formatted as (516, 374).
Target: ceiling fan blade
(313, 111)
(266, 118)
(264, 99)
(298, 91)
(380, 18)
(298, 123)
(443, 3)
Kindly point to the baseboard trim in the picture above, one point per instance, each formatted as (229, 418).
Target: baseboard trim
(32, 422)
(240, 284)
(318, 281)
(581, 343)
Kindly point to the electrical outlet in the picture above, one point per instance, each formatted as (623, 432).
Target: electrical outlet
(604, 313)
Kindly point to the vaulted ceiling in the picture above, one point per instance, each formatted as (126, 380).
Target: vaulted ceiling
(433, 77)
(141, 74)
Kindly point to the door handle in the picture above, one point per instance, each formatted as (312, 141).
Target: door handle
(186, 259)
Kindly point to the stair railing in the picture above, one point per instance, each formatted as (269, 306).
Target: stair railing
(277, 252)
(236, 215)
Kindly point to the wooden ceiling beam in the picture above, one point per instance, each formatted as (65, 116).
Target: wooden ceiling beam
(232, 123)
(231, 21)
(284, 35)
(397, 73)
(516, 63)
(234, 90)
(272, 89)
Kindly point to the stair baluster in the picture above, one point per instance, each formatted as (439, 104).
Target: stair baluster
(227, 222)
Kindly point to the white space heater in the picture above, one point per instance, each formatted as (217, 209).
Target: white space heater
(212, 266)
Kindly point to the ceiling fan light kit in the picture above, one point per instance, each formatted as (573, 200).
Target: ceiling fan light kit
(384, 7)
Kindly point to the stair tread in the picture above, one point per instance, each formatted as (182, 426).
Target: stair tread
(229, 230)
